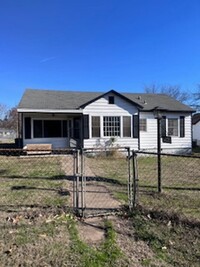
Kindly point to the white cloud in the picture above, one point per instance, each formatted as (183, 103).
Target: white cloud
(47, 59)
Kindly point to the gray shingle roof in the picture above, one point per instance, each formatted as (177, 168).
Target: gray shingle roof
(50, 99)
(195, 118)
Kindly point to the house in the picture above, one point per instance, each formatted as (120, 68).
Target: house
(93, 119)
(196, 128)
(7, 134)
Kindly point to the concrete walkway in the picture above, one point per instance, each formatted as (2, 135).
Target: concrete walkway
(96, 198)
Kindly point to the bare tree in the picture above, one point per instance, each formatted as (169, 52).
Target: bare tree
(8, 117)
(3, 114)
(11, 119)
(195, 101)
(171, 90)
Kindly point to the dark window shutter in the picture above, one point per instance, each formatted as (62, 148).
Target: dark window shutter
(86, 126)
(27, 128)
(163, 126)
(135, 126)
(182, 126)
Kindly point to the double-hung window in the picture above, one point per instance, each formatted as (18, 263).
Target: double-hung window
(95, 126)
(173, 127)
(126, 126)
(143, 125)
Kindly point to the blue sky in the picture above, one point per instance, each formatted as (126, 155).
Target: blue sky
(97, 45)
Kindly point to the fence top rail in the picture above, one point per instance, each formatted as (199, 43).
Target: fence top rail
(106, 149)
(165, 154)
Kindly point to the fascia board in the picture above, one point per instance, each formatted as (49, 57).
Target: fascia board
(25, 110)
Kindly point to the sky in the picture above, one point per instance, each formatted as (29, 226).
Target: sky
(97, 45)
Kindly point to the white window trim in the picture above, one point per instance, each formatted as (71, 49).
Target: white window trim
(178, 120)
(143, 131)
(101, 126)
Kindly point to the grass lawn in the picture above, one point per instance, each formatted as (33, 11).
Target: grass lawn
(38, 229)
(36, 226)
(180, 185)
(168, 222)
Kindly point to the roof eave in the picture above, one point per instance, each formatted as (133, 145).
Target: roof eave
(169, 110)
(29, 110)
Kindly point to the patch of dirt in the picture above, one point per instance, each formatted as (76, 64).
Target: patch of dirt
(91, 231)
(137, 253)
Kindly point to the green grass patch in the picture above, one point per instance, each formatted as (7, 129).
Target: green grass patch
(107, 254)
(15, 166)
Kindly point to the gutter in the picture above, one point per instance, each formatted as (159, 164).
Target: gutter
(64, 111)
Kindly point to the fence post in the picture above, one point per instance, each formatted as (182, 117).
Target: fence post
(76, 182)
(135, 179)
(159, 153)
(130, 182)
(82, 182)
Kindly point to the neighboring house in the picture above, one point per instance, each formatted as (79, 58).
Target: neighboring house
(196, 128)
(7, 134)
(92, 119)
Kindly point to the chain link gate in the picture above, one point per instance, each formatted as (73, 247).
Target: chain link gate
(103, 181)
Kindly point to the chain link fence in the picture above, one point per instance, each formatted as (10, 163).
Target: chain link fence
(98, 181)
(34, 180)
(178, 181)
(90, 182)
(107, 180)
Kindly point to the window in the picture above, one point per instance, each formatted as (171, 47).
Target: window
(173, 127)
(49, 128)
(52, 128)
(111, 126)
(27, 128)
(65, 129)
(95, 126)
(143, 125)
(76, 128)
(111, 100)
(126, 126)
(37, 128)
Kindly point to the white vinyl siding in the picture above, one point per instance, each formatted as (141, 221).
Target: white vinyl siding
(196, 133)
(121, 108)
(148, 139)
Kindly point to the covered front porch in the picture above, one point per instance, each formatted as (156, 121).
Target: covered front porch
(61, 130)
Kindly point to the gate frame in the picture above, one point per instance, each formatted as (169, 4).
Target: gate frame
(79, 180)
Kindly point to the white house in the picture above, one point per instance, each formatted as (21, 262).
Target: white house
(196, 128)
(92, 119)
(6, 134)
